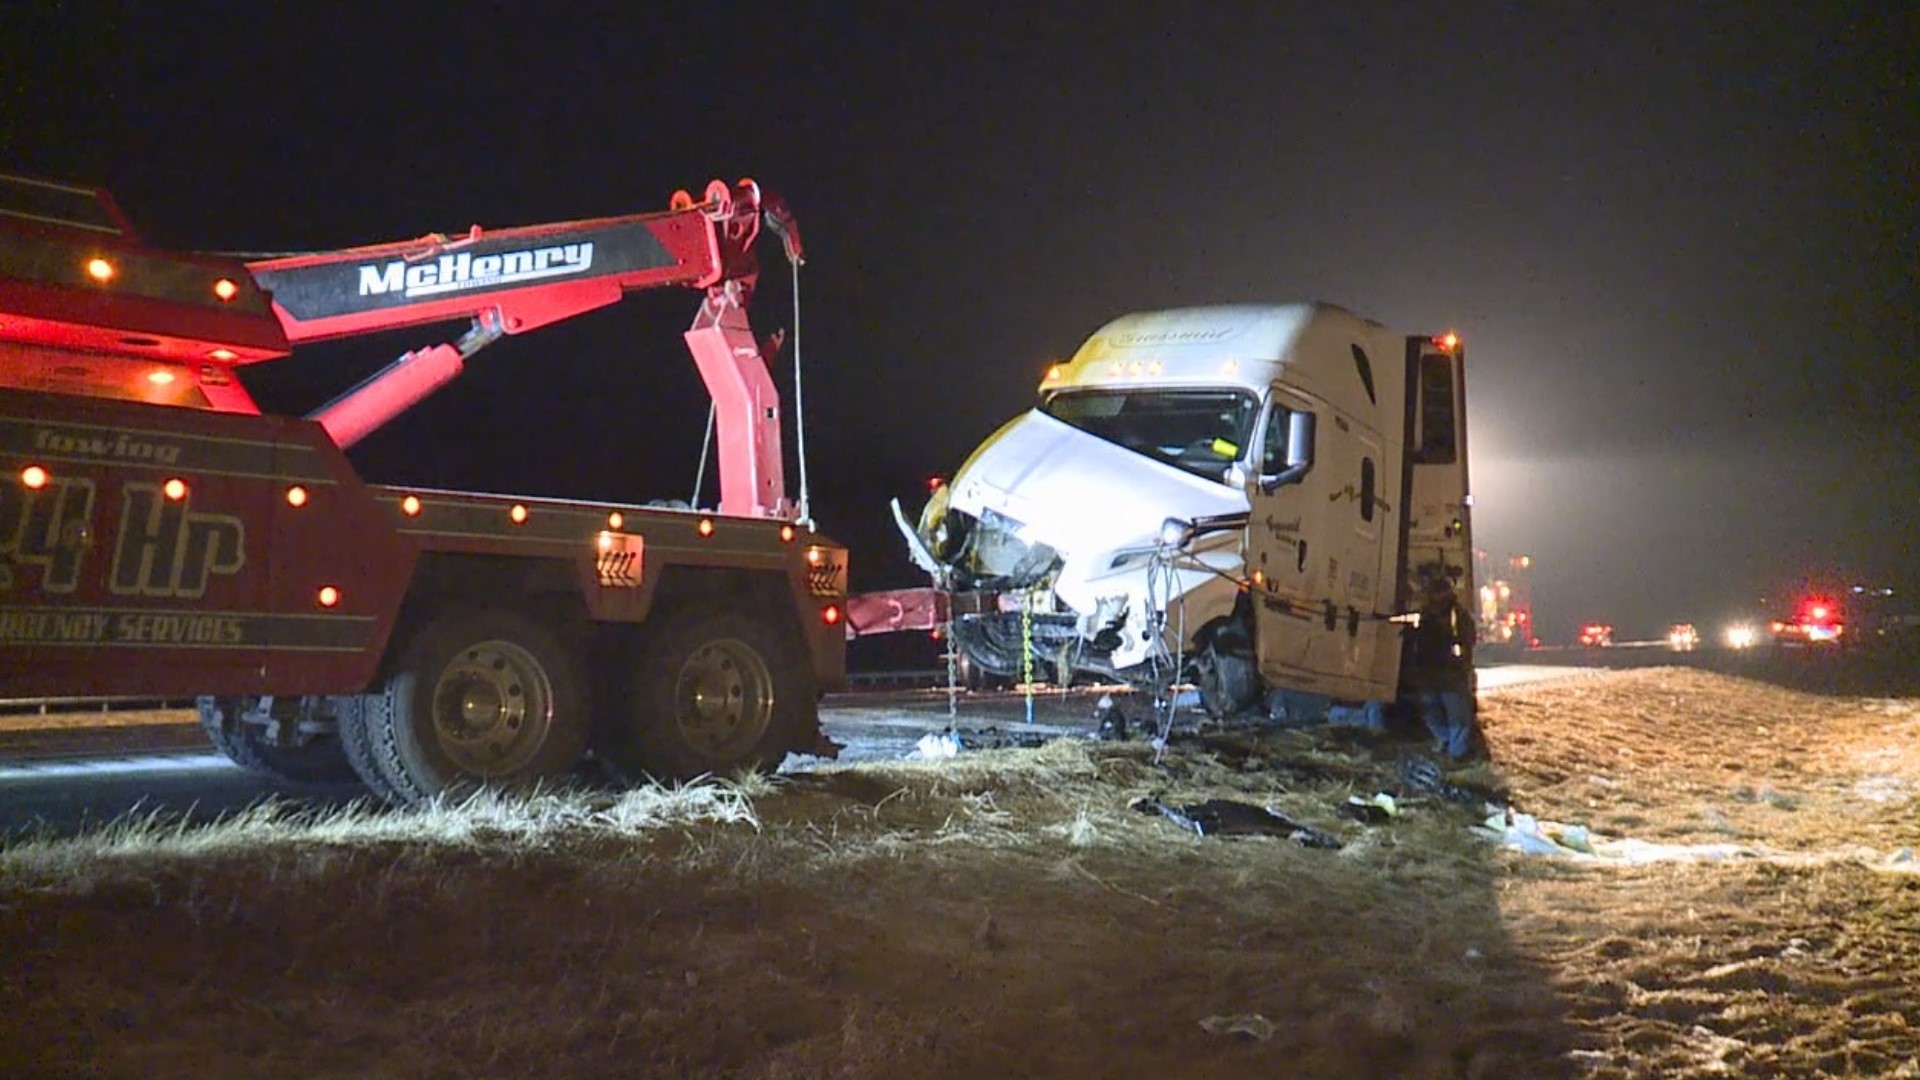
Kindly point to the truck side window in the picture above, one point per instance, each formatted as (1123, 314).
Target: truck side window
(1365, 367)
(1437, 441)
(1273, 445)
(1366, 489)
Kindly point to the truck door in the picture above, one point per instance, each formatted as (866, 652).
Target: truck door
(1318, 515)
(1436, 528)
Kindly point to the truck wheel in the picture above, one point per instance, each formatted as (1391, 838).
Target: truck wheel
(320, 761)
(356, 738)
(1229, 683)
(712, 692)
(480, 698)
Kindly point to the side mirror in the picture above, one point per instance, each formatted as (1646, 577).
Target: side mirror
(1299, 454)
(1176, 532)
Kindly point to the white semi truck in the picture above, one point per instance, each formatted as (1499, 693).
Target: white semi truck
(1240, 496)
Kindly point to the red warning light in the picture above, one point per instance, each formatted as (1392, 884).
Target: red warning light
(830, 614)
(935, 483)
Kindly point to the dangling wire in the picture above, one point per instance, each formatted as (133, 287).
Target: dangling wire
(706, 444)
(800, 405)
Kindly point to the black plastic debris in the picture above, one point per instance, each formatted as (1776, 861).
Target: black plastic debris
(1226, 817)
(993, 738)
(1366, 813)
(1422, 774)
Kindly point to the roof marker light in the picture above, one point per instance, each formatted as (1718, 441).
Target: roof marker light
(296, 496)
(616, 520)
(517, 515)
(100, 270)
(34, 477)
(174, 489)
(706, 527)
(786, 533)
(225, 289)
(410, 506)
(328, 596)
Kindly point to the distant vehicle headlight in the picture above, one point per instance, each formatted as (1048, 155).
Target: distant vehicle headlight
(1741, 636)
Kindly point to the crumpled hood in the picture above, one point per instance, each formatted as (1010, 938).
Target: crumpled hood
(1079, 493)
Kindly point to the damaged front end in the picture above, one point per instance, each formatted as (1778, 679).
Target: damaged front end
(1048, 545)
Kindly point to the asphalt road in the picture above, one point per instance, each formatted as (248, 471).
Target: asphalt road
(59, 775)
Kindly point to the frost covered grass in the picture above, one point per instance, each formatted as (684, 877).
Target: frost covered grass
(1006, 913)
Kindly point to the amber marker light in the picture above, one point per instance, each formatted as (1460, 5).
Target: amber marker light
(410, 506)
(517, 515)
(328, 596)
(786, 533)
(296, 496)
(160, 377)
(175, 489)
(706, 526)
(34, 477)
(830, 614)
(616, 520)
(100, 270)
(225, 289)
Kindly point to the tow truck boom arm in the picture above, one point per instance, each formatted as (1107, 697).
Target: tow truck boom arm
(509, 281)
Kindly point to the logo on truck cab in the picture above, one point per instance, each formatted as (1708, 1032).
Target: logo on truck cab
(465, 270)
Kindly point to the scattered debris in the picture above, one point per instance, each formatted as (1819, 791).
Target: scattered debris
(1423, 774)
(1378, 810)
(1252, 1025)
(993, 738)
(1226, 817)
(937, 746)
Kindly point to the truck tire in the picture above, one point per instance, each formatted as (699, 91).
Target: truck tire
(711, 692)
(479, 698)
(320, 761)
(1229, 684)
(356, 739)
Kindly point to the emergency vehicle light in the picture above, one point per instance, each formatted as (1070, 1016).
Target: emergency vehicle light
(34, 477)
(1056, 372)
(100, 270)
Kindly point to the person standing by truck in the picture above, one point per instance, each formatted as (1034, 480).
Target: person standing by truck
(1439, 671)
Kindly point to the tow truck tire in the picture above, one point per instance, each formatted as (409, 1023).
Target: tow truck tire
(356, 738)
(480, 698)
(321, 761)
(712, 692)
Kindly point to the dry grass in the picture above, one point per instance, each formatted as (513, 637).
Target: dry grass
(1005, 914)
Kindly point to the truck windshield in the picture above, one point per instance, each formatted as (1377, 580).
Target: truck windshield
(1200, 431)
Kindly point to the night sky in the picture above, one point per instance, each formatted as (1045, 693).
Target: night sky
(1680, 240)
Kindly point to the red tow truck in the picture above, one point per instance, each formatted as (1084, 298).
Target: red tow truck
(160, 537)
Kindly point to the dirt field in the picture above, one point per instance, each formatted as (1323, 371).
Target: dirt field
(1006, 914)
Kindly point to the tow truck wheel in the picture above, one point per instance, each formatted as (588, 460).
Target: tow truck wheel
(320, 761)
(712, 692)
(356, 738)
(480, 699)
